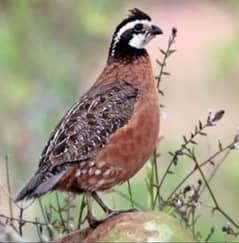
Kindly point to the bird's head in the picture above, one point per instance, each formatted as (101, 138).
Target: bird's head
(132, 35)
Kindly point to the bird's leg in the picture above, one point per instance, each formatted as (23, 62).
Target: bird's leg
(109, 211)
(93, 222)
(102, 204)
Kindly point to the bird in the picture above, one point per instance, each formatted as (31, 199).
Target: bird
(107, 136)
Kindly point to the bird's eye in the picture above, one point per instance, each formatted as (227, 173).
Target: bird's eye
(138, 27)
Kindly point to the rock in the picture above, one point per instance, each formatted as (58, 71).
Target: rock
(134, 227)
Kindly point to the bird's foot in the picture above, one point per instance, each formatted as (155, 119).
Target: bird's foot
(107, 209)
(94, 222)
(113, 212)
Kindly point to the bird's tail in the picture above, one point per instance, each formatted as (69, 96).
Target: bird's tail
(39, 184)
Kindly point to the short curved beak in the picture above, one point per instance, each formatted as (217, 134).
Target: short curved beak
(155, 30)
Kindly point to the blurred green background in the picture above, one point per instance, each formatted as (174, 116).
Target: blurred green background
(51, 51)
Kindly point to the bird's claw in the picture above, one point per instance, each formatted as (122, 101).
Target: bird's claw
(117, 212)
(94, 222)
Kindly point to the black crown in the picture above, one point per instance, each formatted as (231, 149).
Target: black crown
(138, 14)
(135, 14)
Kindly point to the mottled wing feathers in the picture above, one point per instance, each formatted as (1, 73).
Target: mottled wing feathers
(87, 125)
(84, 130)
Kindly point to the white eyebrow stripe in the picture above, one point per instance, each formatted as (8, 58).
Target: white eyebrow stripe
(128, 26)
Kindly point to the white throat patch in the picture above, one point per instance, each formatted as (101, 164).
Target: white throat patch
(138, 39)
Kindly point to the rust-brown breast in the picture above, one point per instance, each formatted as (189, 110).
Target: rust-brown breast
(130, 146)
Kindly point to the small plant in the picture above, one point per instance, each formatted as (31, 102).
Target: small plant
(185, 199)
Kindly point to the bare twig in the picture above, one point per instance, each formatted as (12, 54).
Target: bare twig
(166, 54)
(207, 161)
(23, 221)
(156, 176)
(162, 65)
(217, 206)
(82, 207)
(130, 194)
(59, 211)
(218, 165)
(67, 207)
(199, 130)
(46, 219)
(8, 185)
(212, 231)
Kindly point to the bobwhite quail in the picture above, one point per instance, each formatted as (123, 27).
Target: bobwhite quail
(109, 134)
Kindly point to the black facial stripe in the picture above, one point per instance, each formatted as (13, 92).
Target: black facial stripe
(140, 32)
(127, 35)
(138, 27)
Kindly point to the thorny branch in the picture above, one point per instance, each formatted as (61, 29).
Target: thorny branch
(199, 130)
(185, 150)
(217, 206)
(162, 64)
(176, 198)
(82, 207)
(212, 231)
(8, 185)
(166, 55)
(207, 161)
(22, 221)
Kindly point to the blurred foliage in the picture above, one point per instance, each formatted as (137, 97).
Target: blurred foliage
(227, 52)
(228, 55)
(30, 56)
(45, 48)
